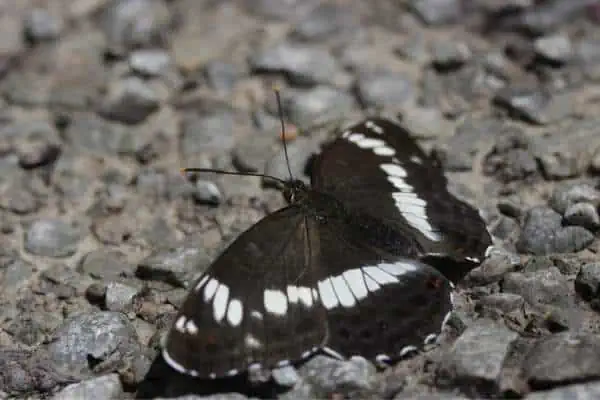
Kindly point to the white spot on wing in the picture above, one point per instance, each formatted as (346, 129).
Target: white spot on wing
(342, 291)
(210, 289)
(305, 296)
(252, 342)
(328, 297)
(220, 302)
(394, 170)
(372, 285)
(201, 283)
(256, 314)
(384, 151)
(379, 275)
(374, 127)
(356, 281)
(235, 312)
(406, 350)
(180, 324)
(275, 301)
(370, 143)
(397, 268)
(191, 327)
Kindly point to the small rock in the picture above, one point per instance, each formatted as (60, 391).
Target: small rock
(35, 152)
(438, 12)
(212, 134)
(130, 101)
(505, 302)
(565, 196)
(119, 296)
(176, 266)
(307, 108)
(555, 48)
(476, 358)
(105, 264)
(105, 387)
(286, 376)
(150, 62)
(583, 214)
(450, 54)
(580, 391)
(327, 376)
(384, 89)
(40, 25)
(92, 338)
(559, 165)
(562, 358)
(494, 267)
(135, 23)
(547, 287)
(543, 233)
(325, 21)
(426, 123)
(303, 65)
(207, 192)
(535, 105)
(52, 238)
(221, 76)
(587, 282)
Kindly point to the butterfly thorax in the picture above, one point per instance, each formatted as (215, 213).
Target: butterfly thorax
(295, 191)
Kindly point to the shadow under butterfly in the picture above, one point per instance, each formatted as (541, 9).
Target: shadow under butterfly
(363, 262)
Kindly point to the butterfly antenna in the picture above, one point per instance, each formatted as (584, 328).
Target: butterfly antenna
(185, 171)
(283, 135)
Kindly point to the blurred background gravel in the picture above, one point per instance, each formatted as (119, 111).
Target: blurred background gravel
(101, 103)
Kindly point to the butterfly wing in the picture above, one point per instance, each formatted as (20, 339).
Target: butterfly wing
(378, 305)
(253, 305)
(377, 168)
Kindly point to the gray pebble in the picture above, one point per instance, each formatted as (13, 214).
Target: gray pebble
(383, 89)
(326, 20)
(130, 101)
(543, 233)
(118, 296)
(587, 282)
(426, 123)
(327, 376)
(105, 264)
(555, 48)
(476, 358)
(105, 387)
(302, 64)
(450, 54)
(305, 108)
(40, 25)
(286, 376)
(563, 358)
(579, 391)
(505, 302)
(52, 238)
(583, 214)
(548, 287)
(89, 133)
(221, 76)
(95, 336)
(535, 105)
(211, 134)
(150, 62)
(565, 196)
(176, 266)
(207, 192)
(438, 12)
(135, 23)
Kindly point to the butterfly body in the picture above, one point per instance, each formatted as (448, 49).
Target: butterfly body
(341, 267)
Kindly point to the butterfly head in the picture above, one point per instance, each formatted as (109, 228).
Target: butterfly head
(294, 191)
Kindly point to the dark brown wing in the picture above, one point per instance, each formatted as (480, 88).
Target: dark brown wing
(253, 306)
(375, 167)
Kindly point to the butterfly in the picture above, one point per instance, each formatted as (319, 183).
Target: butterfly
(362, 262)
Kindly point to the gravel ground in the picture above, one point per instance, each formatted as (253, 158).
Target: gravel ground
(103, 101)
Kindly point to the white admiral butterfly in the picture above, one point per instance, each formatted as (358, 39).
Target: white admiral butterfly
(361, 263)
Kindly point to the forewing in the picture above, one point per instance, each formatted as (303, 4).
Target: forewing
(254, 304)
(377, 168)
